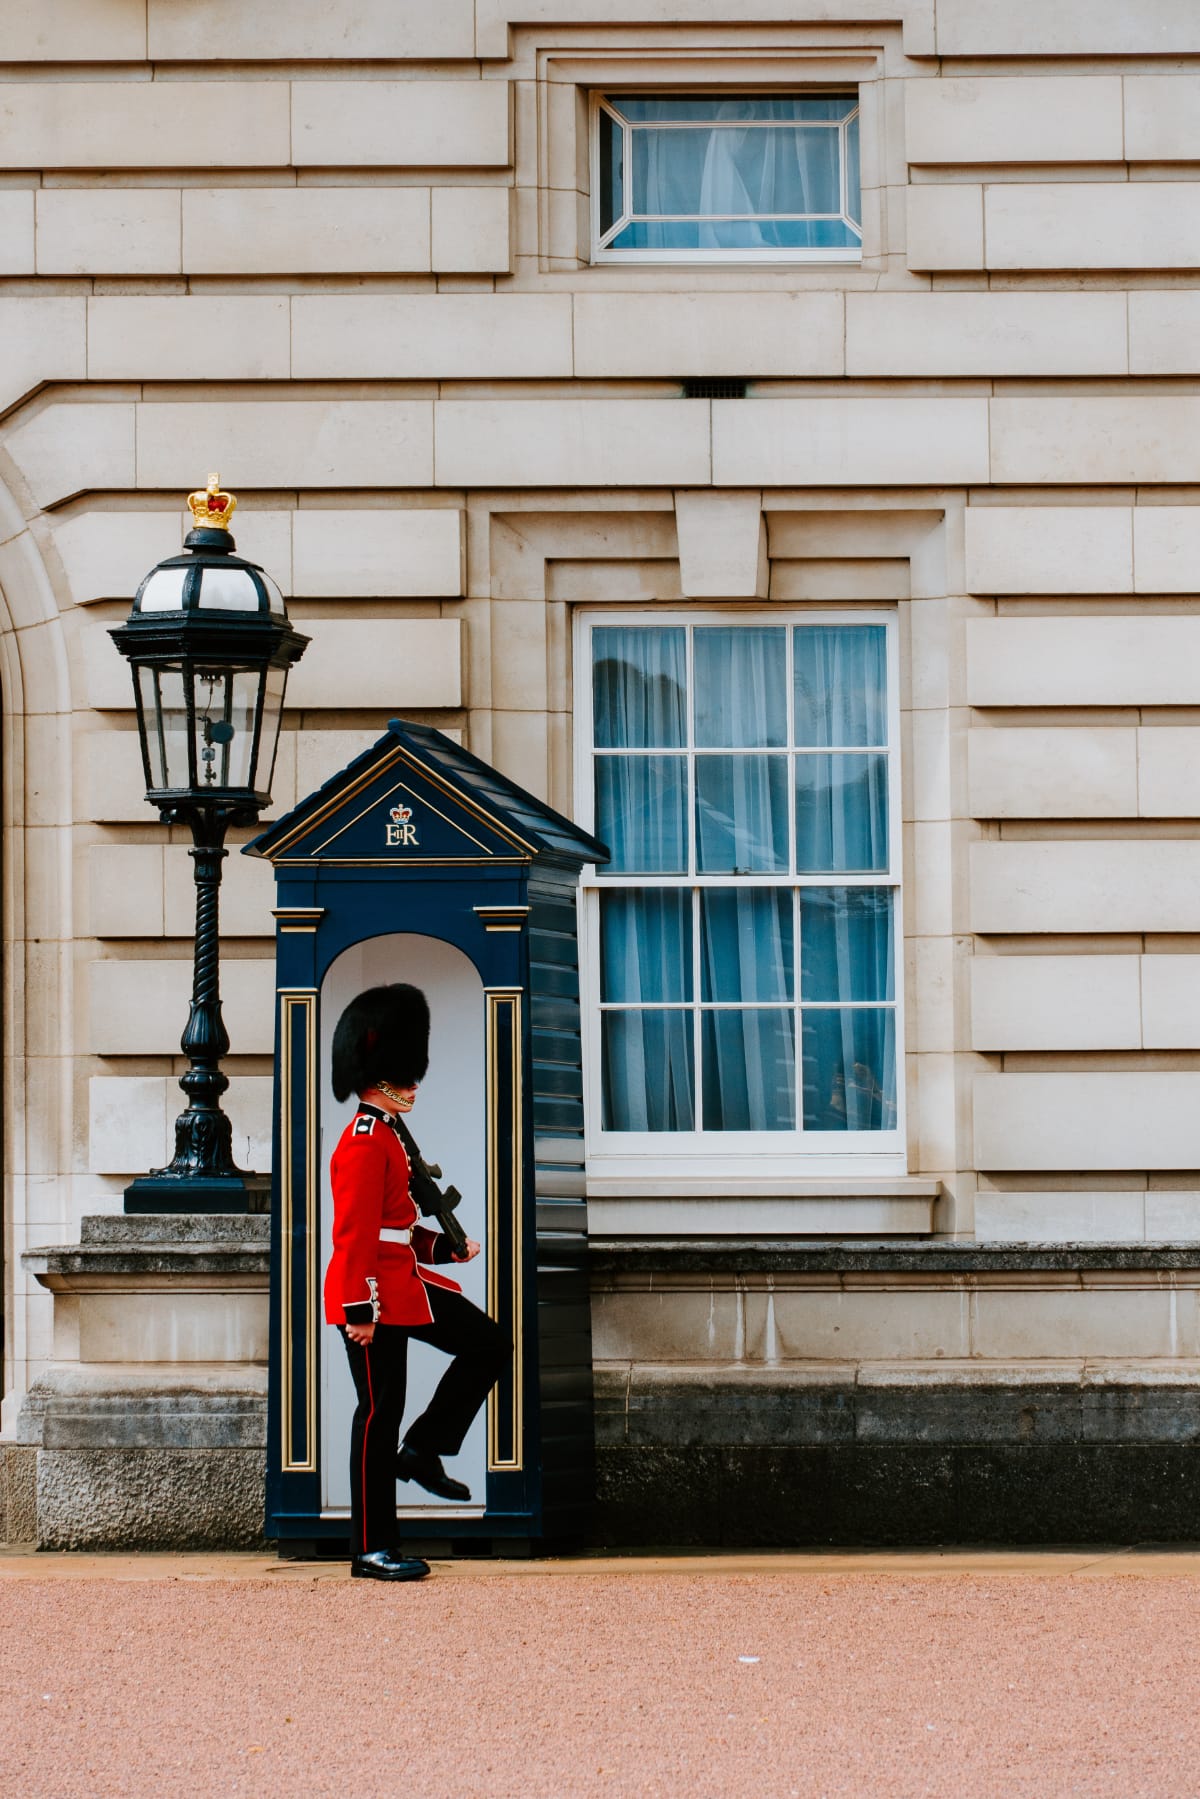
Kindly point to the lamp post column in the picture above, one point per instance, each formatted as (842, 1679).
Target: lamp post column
(202, 1175)
(203, 1134)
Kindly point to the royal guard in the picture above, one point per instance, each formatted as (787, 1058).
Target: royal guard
(381, 1288)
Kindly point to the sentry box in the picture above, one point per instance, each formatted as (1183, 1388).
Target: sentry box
(420, 863)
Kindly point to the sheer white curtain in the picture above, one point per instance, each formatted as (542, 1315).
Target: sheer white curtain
(753, 172)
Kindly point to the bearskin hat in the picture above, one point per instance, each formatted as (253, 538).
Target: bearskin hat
(382, 1035)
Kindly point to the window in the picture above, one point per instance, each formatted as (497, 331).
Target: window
(742, 940)
(722, 177)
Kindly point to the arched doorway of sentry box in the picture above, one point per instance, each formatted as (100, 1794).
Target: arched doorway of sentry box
(449, 1124)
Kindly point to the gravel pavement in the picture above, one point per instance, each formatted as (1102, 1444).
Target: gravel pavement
(957, 1675)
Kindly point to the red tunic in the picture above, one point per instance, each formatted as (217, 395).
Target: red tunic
(368, 1279)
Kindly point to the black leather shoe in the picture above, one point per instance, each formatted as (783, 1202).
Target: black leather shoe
(385, 1564)
(427, 1471)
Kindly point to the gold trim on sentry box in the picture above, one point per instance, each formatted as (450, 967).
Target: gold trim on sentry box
(501, 1034)
(294, 920)
(502, 918)
(303, 1001)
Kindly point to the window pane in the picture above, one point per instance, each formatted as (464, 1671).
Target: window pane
(741, 814)
(737, 172)
(648, 1071)
(226, 717)
(841, 814)
(850, 1070)
(746, 943)
(846, 943)
(641, 813)
(646, 946)
(841, 685)
(853, 178)
(734, 234)
(638, 682)
(164, 708)
(693, 108)
(740, 678)
(749, 1071)
(611, 145)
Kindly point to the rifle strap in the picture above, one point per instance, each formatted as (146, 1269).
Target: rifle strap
(409, 1142)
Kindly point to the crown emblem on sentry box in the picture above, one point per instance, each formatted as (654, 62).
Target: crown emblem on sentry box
(401, 833)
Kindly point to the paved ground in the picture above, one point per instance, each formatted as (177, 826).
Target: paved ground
(1012, 1675)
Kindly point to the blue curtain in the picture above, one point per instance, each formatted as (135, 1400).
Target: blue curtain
(639, 700)
(639, 688)
(641, 813)
(741, 687)
(648, 1073)
(841, 704)
(847, 953)
(841, 686)
(749, 1055)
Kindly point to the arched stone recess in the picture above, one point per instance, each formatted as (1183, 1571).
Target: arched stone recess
(38, 928)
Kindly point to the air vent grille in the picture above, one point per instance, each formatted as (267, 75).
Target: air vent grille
(725, 388)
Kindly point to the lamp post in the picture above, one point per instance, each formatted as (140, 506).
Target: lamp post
(210, 645)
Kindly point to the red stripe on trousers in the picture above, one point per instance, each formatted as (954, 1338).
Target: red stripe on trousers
(366, 1429)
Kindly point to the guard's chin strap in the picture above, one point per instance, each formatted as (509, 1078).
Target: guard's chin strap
(403, 1101)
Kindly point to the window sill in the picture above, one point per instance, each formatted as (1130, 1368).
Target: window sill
(832, 1206)
(725, 1187)
(762, 259)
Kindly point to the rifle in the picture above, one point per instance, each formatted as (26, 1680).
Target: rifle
(430, 1199)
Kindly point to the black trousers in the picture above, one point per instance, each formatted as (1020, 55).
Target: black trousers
(481, 1349)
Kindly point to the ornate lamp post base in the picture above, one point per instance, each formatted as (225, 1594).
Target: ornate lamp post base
(163, 1192)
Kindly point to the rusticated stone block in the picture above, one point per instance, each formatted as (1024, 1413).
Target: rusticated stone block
(150, 1498)
(18, 1493)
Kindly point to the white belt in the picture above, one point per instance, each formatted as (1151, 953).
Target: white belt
(391, 1236)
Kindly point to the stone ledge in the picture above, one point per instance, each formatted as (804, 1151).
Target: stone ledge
(659, 1404)
(917, 1256)
(115, 1406)
(617, 1377)
(232, 1246)
(176, 1227)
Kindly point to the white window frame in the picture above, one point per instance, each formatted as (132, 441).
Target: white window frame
(600, 253)
(701, 1155)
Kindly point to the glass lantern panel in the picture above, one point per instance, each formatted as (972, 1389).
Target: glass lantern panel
(272, 714)
(164, 710)
(226, 707)
(228, 590)
(163, 592)
(275, 599)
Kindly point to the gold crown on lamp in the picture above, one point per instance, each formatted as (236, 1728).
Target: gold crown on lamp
(212, 508)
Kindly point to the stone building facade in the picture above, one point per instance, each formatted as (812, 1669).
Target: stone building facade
(367, 258)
